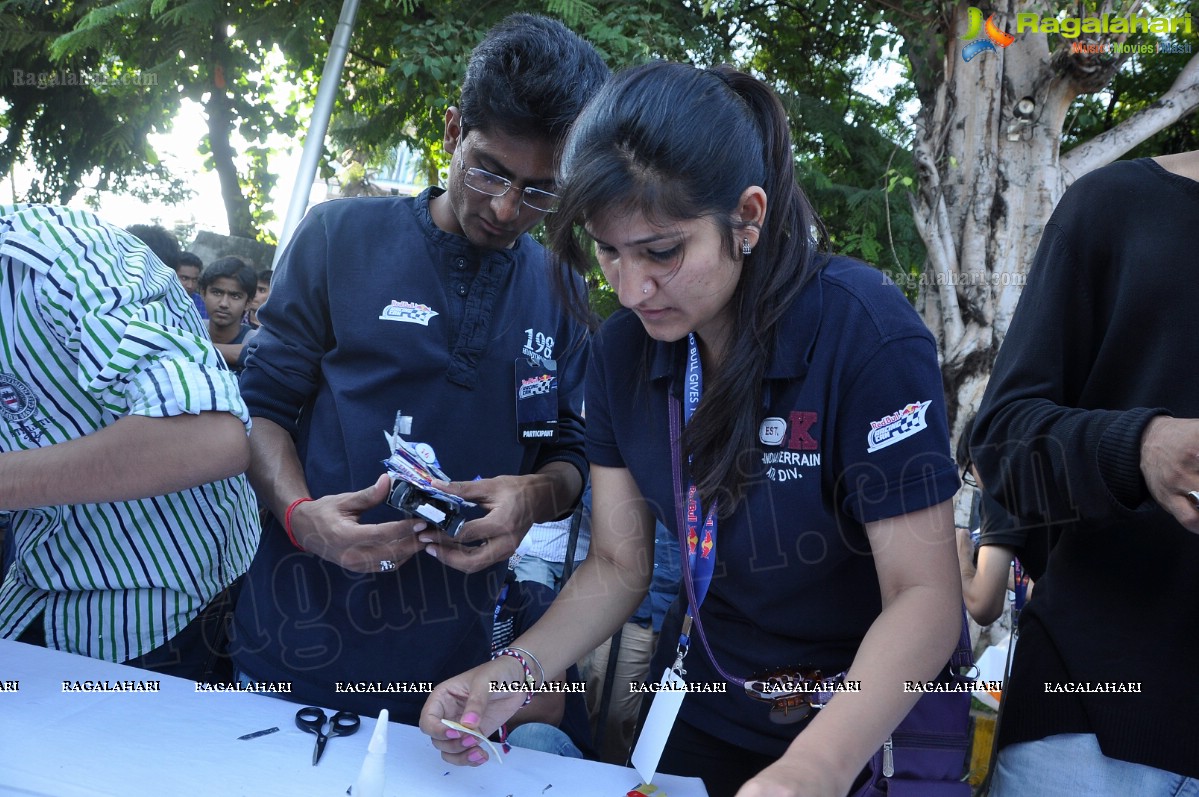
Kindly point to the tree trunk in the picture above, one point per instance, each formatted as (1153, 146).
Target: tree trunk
(220, 124)
(990, 173)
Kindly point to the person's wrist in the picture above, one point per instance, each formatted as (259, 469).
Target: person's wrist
(510, 670)
(528, 679)
(289, 518)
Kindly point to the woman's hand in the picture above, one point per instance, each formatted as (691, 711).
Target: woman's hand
(469, 699)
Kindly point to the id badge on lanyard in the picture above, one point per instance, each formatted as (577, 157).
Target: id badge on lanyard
(536, 400)
(701, 559)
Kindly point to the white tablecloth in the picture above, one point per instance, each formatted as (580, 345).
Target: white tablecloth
(182, 742)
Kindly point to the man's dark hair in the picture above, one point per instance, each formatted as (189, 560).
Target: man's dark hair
(161, 242)
(232, 267)
(189, 259)
(529, 77)
(266, 275)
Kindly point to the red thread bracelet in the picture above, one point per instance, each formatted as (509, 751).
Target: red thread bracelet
(287, 522)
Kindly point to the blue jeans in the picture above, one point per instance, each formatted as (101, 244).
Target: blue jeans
(1071, 763)
(543, 571)
(543, 737)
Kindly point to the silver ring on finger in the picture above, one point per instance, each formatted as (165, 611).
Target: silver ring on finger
(386, 565)
(1193, 497)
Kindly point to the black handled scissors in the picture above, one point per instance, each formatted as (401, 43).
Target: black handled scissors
(312, 720)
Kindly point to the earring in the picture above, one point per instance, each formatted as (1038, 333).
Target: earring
(745, 247)
(645, 290)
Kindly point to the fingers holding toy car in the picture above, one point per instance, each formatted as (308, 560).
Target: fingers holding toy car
(329, 527)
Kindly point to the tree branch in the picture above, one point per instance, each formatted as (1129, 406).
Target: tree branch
(1181, 99)
(932, 224)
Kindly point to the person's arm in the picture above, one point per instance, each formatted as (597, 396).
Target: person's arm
(1045, 459)
(135, 457)
(984, 585)
(141, 355)
(280, 378)
(911, 639)
(606, 588)
(528, 600)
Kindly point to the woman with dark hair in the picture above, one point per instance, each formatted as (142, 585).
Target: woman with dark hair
(780, 408)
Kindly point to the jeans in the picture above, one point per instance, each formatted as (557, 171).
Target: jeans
(1071, 763)
(543, 571)
(543, 737)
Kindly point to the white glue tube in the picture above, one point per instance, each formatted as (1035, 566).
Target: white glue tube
(372, 775)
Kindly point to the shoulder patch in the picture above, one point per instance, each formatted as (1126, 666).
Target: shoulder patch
(897, 426)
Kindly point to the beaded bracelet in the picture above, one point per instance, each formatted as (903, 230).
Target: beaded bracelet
(530, 682)
(287, 521)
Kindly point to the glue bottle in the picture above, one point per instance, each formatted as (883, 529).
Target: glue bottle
(372, 775)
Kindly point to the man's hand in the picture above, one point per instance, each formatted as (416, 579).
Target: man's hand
(329, 528)
(493, 537)
(1170, 466)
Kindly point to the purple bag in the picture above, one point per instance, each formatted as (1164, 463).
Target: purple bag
(926, 755)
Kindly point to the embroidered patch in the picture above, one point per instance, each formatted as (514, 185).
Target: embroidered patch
(17, 401)
(896, 426)
(408, 312)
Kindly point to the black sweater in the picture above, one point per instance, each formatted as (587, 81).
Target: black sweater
(1105, 338)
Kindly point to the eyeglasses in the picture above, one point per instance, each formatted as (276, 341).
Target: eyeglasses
(493, 185)
(968, 476)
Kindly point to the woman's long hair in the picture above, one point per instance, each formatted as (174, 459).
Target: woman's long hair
(674, 143)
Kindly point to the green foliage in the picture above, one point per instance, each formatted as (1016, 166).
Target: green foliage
(405, 68)
(216, 52)
(407, 58)
(80, 117)
(852, 150)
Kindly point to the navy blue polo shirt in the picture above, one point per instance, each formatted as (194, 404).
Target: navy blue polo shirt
(852, 430)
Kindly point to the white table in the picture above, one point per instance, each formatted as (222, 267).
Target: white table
(182, 742)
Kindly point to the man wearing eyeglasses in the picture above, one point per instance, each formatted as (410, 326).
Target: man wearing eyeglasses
(432, 318)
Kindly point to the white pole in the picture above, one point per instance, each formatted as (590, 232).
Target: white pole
(321, 111)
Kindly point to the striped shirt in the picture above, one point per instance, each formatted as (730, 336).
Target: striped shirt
(94, 327)
(549, 541)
